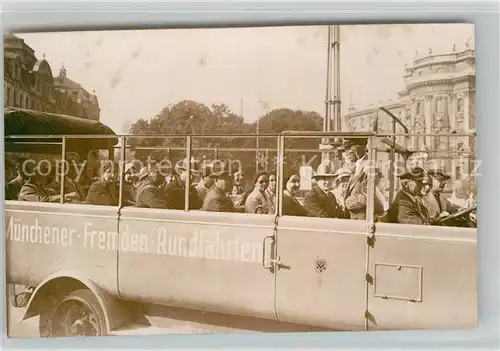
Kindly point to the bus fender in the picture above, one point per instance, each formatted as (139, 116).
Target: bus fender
(115, 314)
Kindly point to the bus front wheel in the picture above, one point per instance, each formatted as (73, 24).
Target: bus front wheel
(75, 314)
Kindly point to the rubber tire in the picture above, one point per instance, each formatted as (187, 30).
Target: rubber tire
(44, 325)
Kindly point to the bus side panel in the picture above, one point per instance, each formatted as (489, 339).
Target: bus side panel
(423, 278)
(322, 279)
(199, 260)
(43, 239)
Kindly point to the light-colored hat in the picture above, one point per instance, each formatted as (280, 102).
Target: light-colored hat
(342, 173)
(324, 170)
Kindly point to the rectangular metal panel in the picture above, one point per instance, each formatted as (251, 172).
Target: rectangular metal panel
(397, 281)
(43, 239)
(323, 278)
(199, 260)
(447, 258)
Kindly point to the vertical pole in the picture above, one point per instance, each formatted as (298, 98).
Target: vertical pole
(325, 155)
(391, 164)
(326, 122)
(188, 179)
(63, 167)
(281, 172)
(336, 73)
(122, 171)
(257, 148)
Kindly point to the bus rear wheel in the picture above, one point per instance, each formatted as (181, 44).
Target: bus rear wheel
(75, 314)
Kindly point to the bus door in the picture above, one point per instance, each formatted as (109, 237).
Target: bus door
(320, 268)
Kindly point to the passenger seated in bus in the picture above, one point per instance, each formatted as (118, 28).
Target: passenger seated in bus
(292, 206)
(437, 204)
(239, 178)
(257, 196)
(355, 197)
(271, 192)
(13, 187)
(175, 191)
(340, 181)
(104, 191)
(426, 185)
(206, 182)
(349, 158)
(130, 179)
(70, 185)
(34, 189)
(408, 206)
(148, 192)
(217, 199)
(319, 201)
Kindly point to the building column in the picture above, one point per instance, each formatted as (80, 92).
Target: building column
(414, 139)
(428, 118)
(466, 111)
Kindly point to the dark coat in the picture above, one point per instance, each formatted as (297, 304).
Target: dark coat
(436, 204)
(34, 193)
(128, 195)
(216, 200)
(320, 204)
(292, 207)
(174, 194)
(149, 195)
(408, 209)
(13, 188)
(102, 194)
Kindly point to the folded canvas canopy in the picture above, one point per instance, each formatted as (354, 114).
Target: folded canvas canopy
(22, 122)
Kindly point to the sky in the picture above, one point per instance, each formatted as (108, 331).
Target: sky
(135, 74)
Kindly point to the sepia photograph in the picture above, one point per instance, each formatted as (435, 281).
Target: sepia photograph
(240, 180)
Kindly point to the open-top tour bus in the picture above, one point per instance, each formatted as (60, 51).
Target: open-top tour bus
(340, 274)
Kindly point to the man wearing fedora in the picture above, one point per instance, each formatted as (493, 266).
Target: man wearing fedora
(320, 201)
(217, 199)
(148, 192)
(408, 206)
(357, 186)
(175, 190)
(438, 205)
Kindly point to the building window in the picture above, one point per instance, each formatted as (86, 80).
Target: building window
(27, 103)
(458, 172)
(21, 100)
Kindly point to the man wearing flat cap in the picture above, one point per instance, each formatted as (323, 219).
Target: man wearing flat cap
(437, 204)
(357, 186)
(175, 190)
(217, 199)
(408, 206)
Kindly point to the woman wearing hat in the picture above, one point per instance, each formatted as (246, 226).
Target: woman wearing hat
(257, 196)
(319, 201)
(291, 206)
(339, 188)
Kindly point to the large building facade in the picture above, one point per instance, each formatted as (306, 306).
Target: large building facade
(29, 83)
(439, 97)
